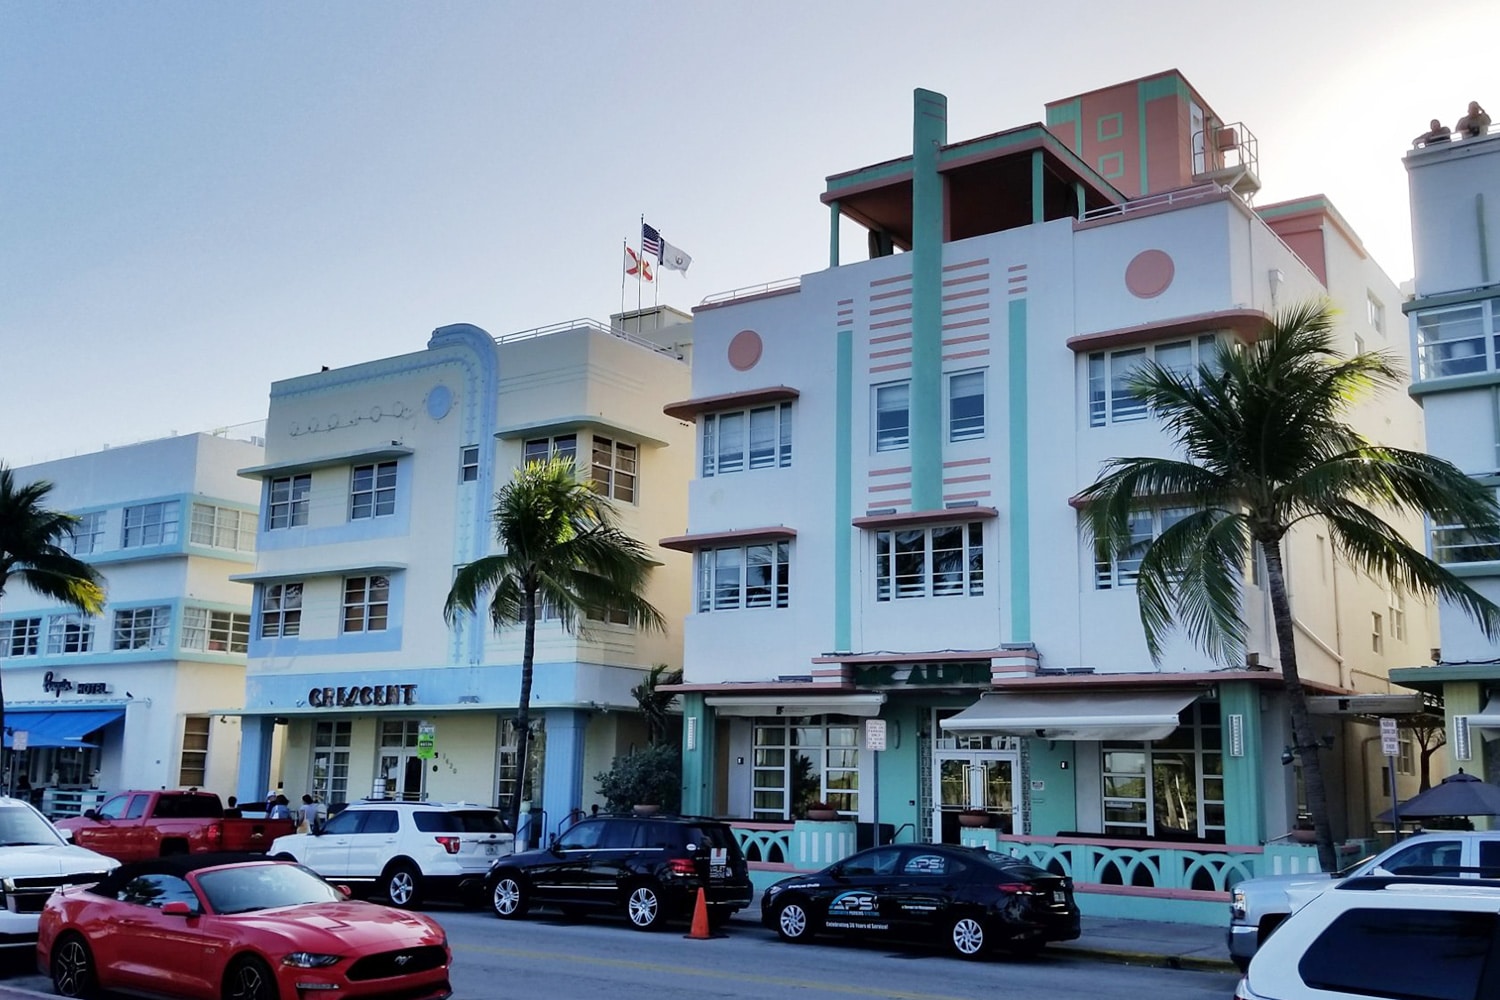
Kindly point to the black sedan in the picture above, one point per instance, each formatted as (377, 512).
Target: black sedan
(969, 898)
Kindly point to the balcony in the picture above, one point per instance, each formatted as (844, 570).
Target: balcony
(1228, 155)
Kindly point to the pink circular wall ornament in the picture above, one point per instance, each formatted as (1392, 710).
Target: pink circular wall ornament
(744, 350)
(1149, 273)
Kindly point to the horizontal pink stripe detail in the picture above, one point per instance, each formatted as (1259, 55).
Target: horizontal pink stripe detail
(886, 488)
(955, 480)
(967, 354)
(966, 264)
(975, 495)
(846, 322)
(971, 338)
(887, 324)
(878, 369)
(893, 352)
(898, 470)
(890, 338)
(985, 321)
(960, 310)
(1018, 291)
(967, 279)
(957, 462)
(1016, 267)
(898, 293)
(889, 502)
(846, 302)
(846, 312)
(890, 281)
(1019, 279)
(886, 310)
(968, 294)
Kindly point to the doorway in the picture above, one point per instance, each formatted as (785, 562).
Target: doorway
(969, 780)
(400, 766)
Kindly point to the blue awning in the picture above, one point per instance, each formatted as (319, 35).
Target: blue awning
(59, 729)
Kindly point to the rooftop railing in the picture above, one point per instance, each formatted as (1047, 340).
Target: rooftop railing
(596, 327)
(1165, 199)
(750, 291)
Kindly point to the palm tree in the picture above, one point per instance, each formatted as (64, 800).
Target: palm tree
(654, 702)
(29, 551)
(1267, 449)
(559, 548)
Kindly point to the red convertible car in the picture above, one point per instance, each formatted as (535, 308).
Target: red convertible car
(235, 927)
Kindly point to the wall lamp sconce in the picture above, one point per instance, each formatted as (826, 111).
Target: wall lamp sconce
(1291, 753)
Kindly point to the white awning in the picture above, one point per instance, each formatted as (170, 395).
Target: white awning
(1075, 715)
(1489, 718)
(796, 704)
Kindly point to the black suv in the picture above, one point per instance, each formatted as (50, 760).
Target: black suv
(648, 868)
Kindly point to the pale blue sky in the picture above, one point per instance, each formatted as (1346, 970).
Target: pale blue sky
(198, 199)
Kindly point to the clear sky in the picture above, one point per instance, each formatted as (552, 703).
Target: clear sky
(198, 199)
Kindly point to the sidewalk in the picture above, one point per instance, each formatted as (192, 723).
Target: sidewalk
(1151, 942)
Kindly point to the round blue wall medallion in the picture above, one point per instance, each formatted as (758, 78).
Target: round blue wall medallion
(439, 402)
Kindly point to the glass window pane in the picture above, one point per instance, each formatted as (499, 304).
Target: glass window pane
(966, 406)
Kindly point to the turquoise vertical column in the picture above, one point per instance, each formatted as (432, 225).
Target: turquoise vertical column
(1038, 216)
(929, 133)
(698, 754)
(562, 771)
(1244, 800)
(843, 489)
(1078, 197)
(254, 778)
(833, 234)
(1020, 484)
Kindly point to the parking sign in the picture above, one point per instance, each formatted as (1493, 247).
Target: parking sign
(874, 734)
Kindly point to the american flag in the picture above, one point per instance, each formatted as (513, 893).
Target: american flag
(650, 242)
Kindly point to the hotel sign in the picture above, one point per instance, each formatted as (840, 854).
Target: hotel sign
(355, 697)
(952, 673)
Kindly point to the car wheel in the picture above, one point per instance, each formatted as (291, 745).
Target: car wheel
(508, 898)
(284, 856)
(73, 973)
(967, 937)
(250, 979)
(643, 907)
(401, 886)
(792, 922)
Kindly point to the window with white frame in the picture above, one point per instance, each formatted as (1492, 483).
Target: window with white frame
(151, 524)
(757, 438)
(542, 449)
(194, 765)
(211, 631)
(142, 628)
(372, 491)
(1375, 311)
(222, 528)
(966, 406)
(1377, 631)
(468, 463)
(800, 760)
(1111, 570)
(281, 610)
(1406, 754)
(69, 634)
(1396, 615)
(744, 576)
(1458, 340)
(1458, 543)
(893, 416)
(944, 560)
(330, 761)
(88, 532)
(1172, 787)
(367, 603)
(20, 636)
(614, 469)
(1109, 374)
(288, 504)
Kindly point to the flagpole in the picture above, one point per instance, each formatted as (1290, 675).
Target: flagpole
(624, 248)
(641, 273)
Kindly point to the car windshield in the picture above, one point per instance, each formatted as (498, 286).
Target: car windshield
(245, 888)
(24, 826)
(465, 821)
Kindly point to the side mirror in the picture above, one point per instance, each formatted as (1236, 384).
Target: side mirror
(556, 846)
(345, 891)
(66, 835)
(92, 814)
(176, 908)
(836, 871)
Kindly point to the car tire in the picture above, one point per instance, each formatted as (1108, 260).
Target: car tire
(250, 979)
(401, 886)
(73, 971)
(644, 907)
(284, 856)
(966, 936)
(793, 922)
(508, 897)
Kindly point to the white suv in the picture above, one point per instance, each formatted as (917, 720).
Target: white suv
(1387, 938)
(34, 860)
(404, 851)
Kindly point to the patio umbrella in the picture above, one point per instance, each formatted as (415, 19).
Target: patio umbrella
(1457, 795)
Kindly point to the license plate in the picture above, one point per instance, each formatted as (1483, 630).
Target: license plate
(1058, 896)
(491, 849)
(718, 872)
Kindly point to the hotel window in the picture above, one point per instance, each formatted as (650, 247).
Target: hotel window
(20, 636)
(288, 505)
(215, 631)
(942, 561)
(746, 576)
(1109, 373)
(1377, 631)
(194, 765)
(367, 603)
(69, 634)
(1457, 341)
(151, 524)
(330, 761)
(222, 528)
(1456, 543)
(468, 463)
(1397, 615)
(1376, 313)
(88, 532)
(541, 449)
(1113, 570)
(142, 628)
(372, 491)
(281, 610)
(800, 760)
(966, 406)
(1406, 756)
(893, 416)
(758, 438)
(1168, 788)
(614, 469)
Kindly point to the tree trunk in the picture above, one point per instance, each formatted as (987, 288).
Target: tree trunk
(523, 718)
(1306, 740)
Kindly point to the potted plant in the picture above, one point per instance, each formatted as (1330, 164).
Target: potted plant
(973, 818)
(649, 777)
(821, 812)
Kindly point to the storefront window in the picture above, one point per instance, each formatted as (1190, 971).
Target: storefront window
(797, 761)
(330, 762)
(507, 764)
(195, 729)
(1170, 788)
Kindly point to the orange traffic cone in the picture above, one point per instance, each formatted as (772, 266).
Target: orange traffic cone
(699, 931)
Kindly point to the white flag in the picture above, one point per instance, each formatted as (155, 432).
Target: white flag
(673, 259)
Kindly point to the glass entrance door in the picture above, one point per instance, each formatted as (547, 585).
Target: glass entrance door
(972, 781)
(400, 766)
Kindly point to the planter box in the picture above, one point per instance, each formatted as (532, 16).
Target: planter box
(817, 845)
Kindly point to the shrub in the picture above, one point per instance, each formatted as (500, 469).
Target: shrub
(650, 776)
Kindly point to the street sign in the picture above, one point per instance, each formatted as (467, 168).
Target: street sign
(18, 739)
(874, 734)
(1387, 727)
(1390, 746)
(426, 741)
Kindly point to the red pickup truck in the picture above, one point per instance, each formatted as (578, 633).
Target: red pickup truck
(136, 825)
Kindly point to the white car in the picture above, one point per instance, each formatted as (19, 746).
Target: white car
(34, 860)
(404, 851)
(1391, 937)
